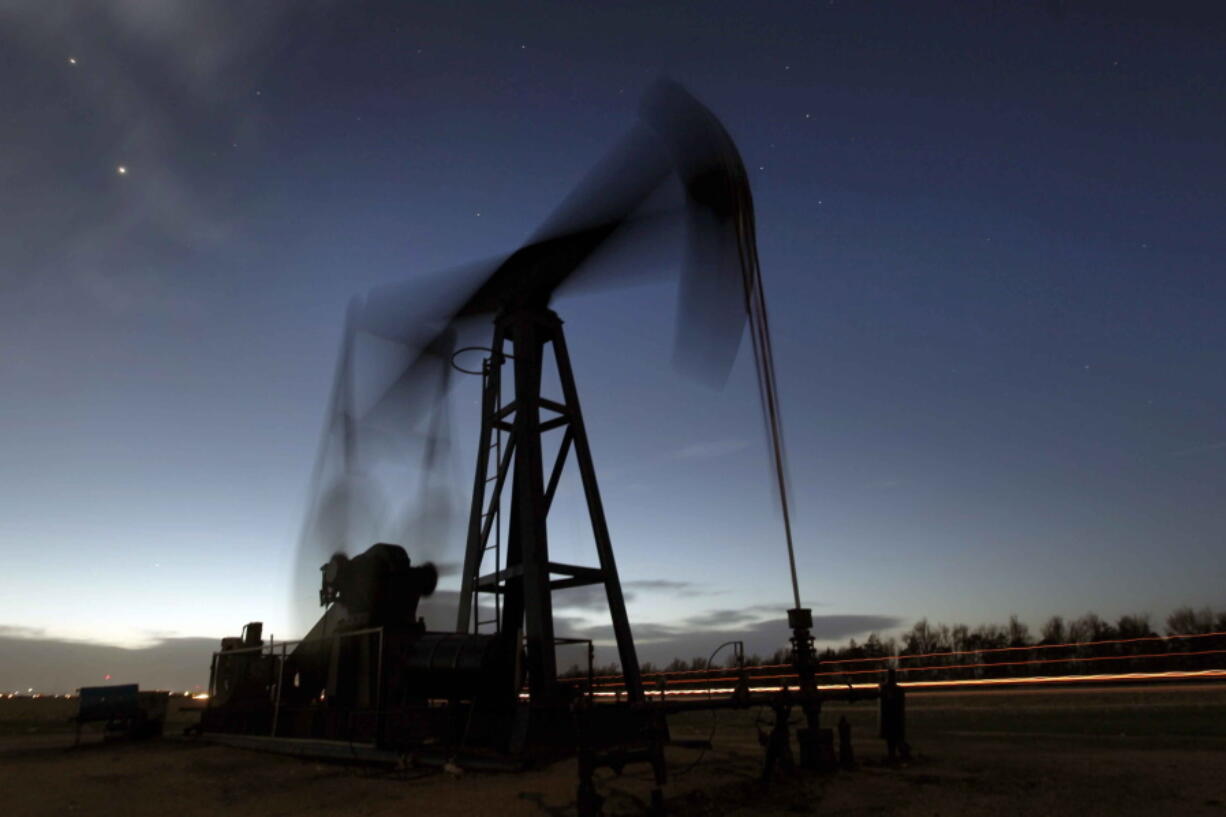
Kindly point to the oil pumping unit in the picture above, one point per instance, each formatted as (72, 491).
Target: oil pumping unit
(370, 672)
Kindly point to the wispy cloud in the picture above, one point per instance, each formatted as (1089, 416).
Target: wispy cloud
(672, 586)
(31, 659)
(661, 642)
(592, 597)
(158, 86)
(709, 449)
(722, 618)
(13, 631)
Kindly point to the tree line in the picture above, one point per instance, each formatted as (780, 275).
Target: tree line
(1192, 641)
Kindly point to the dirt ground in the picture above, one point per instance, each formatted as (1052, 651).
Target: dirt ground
(1124, 751)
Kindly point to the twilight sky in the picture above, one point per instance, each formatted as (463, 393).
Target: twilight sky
(989, 239)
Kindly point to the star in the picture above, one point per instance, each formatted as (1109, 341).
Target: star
(72, 60)
(122, 170)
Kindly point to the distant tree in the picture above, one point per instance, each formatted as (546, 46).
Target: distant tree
(1018, 632)
(990, 637)
(921, 639)
(1054, 631)
(1186, 621)
(1134, 626)
(874, 648)
(958, 636)
(1090, 628)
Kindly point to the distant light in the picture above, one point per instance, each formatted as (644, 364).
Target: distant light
(122, 170)
(200, 696)
(106, 677)
(72, 60)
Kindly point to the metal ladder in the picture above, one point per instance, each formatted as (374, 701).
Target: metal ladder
(494, 510)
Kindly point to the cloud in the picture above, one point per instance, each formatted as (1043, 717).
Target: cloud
(698, 636)
(672, 586)
(711, 448)
(722, 618)
(589, 597)
(703, 450)
(161, 87)
(54, 665)
(592, 596)
(13, 631)
(59, 665)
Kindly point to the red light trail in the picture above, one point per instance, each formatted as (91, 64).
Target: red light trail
(1133, 677)
(950, 653)
(701, 685)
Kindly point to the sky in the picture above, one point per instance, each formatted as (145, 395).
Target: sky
(989, 244)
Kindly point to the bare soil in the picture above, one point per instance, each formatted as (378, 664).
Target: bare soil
(1083, 753)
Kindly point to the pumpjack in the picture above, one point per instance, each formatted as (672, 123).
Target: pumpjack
(369, 671)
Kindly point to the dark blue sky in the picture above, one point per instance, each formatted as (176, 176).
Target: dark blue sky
(989, 239)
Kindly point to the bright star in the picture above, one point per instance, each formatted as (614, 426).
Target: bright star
(122, 170)
(72, 60)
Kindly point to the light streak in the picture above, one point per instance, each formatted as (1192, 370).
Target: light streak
(1177, 675)
(912, 657)
(1033, 661)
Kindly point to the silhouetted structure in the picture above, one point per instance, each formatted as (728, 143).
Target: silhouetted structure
(369, 670)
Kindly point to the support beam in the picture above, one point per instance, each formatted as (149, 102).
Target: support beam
(526, 582)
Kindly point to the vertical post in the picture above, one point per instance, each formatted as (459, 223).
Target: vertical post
(600, 528)
(591, 676)
(379, 694)
(528, 536)
(491, 388)
(276, 705)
